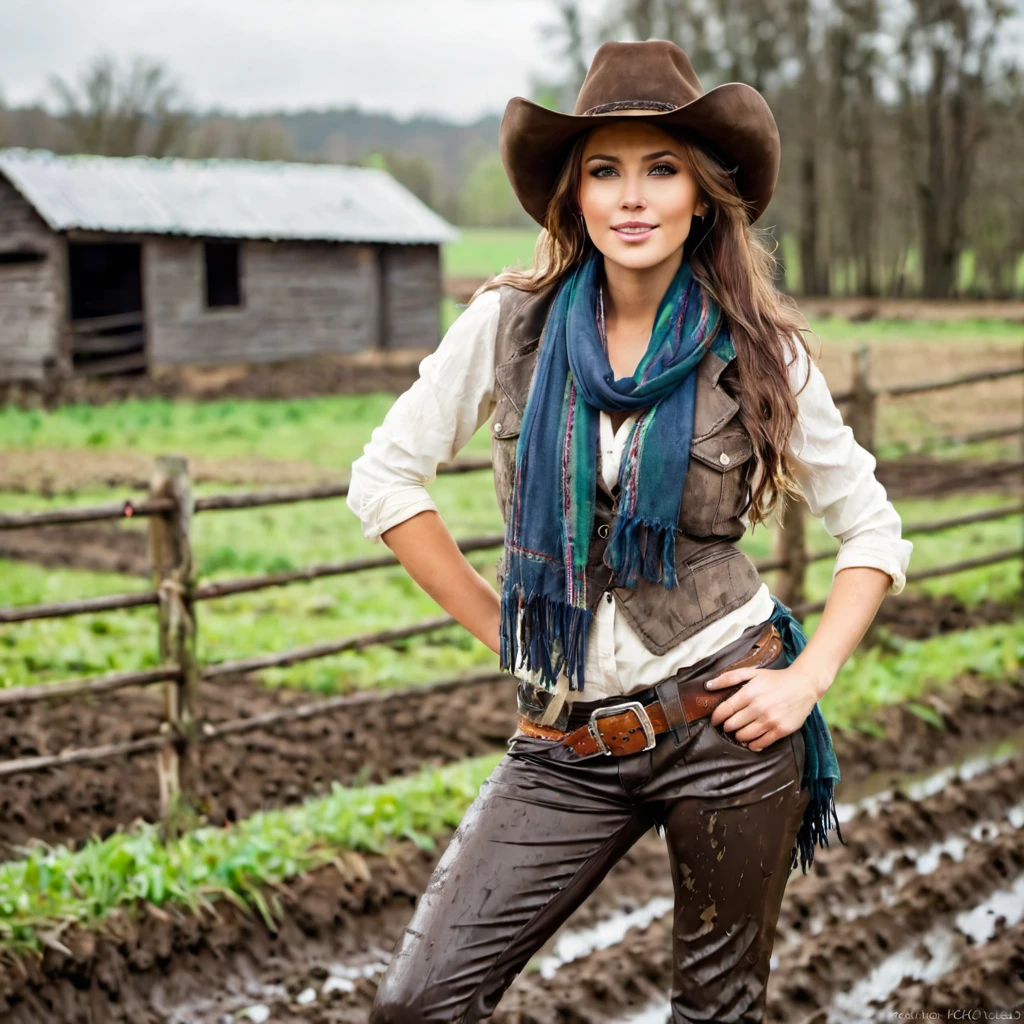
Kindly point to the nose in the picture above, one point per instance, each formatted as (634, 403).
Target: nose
(632, 196)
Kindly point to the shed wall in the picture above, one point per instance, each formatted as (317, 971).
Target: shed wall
(413, 289)
(298, 299)
(31, 293)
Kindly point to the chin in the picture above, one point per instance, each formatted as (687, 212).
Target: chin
(640, 257)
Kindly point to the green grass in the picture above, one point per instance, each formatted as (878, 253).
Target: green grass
(876, 677)
(326, 432)
(51, 888)
(266, 540)
(55, 887)
(484, 251)
(840, 330)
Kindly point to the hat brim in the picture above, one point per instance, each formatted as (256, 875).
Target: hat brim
(734, 118)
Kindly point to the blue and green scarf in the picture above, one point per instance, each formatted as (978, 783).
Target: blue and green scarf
(548, 528)
(821, 767)
(549, 524)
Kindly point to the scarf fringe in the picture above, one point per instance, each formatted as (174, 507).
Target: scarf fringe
(819, 817)
(655, 538)
(821, 769)
(553, 637)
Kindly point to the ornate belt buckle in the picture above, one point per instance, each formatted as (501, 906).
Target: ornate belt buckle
(641, 716)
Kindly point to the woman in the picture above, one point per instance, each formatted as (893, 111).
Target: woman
(651, 397)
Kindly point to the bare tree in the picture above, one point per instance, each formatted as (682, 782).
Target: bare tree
(117, 111)
(854, 61)
(567, 40)
(946, 120)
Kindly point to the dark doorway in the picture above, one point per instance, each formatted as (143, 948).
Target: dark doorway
(223, 277)
(107, 322)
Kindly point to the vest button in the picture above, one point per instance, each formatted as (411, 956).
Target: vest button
(497, 428)
(724, 459)
(608, 596)
(602, 530)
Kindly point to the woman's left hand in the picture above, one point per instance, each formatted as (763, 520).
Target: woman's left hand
(771, 704)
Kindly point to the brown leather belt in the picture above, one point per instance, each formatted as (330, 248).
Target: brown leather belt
(631, 727)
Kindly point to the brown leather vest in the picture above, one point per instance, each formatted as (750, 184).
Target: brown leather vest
(714, 576)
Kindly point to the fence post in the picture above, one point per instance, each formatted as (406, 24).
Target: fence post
(791, 550)
(861, 409)
(170, 552)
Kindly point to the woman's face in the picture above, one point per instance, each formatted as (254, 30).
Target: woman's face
(637, 173)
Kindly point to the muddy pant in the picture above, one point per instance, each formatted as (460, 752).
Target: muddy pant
(549, 824)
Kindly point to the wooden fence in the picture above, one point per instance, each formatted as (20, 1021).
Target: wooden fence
(176, 594)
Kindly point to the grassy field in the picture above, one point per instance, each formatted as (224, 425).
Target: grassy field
(265, 540)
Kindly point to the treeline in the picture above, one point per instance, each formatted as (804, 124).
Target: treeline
(901, 121)
(902, 131)
(137, 107)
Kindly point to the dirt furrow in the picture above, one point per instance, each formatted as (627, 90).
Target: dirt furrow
(290, 763)
(990, 977)
(165, 966)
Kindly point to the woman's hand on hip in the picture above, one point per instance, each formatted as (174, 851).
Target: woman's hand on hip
(770, 705)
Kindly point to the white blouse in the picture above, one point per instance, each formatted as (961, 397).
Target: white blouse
(454, 396)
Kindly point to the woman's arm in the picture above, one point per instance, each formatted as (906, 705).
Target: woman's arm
(850, 608)
(430, 555)
(837, 477)
(427, 426)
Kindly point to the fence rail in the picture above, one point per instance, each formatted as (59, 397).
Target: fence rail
(171, 507)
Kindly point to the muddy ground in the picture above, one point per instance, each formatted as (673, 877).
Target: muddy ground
(371, 742)
(920, 911)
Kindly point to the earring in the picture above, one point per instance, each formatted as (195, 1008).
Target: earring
(702, 220)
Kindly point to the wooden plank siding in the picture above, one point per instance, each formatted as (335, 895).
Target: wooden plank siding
(31, 293)
(413, 286)
(298, 299)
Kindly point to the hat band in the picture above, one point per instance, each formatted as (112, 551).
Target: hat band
(605, 108)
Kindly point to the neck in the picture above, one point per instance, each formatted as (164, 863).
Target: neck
(632, 295)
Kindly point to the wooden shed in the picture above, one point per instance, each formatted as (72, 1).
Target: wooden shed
(115, 265)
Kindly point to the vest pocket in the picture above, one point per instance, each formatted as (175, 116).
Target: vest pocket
(714, 495)
(719, 576)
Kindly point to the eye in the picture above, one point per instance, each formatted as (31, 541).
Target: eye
(598, 172)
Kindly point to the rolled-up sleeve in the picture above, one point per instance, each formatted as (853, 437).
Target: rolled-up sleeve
(428, 424)
(837, 477)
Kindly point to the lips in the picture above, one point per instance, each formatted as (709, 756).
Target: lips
(634, 231)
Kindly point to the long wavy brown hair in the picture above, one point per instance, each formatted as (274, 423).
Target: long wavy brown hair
(735, 262)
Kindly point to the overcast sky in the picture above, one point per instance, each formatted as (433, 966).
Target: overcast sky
(456, 58)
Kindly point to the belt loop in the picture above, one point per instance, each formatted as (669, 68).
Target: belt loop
(668, 694)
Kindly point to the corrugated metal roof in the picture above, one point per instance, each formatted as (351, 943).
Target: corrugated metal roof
(222, 198)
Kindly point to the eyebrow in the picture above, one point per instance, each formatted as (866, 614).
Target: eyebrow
(615, 159)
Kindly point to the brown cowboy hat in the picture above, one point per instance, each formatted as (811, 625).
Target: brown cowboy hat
(733, 119)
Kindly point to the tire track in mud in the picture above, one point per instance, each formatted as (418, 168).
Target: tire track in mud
(340, 922)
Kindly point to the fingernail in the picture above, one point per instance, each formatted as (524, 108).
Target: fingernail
(707, 685)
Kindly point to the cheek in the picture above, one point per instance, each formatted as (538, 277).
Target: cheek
(675, 208)
(595, 202)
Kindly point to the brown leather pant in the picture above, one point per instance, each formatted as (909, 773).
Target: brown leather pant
(547, 827)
